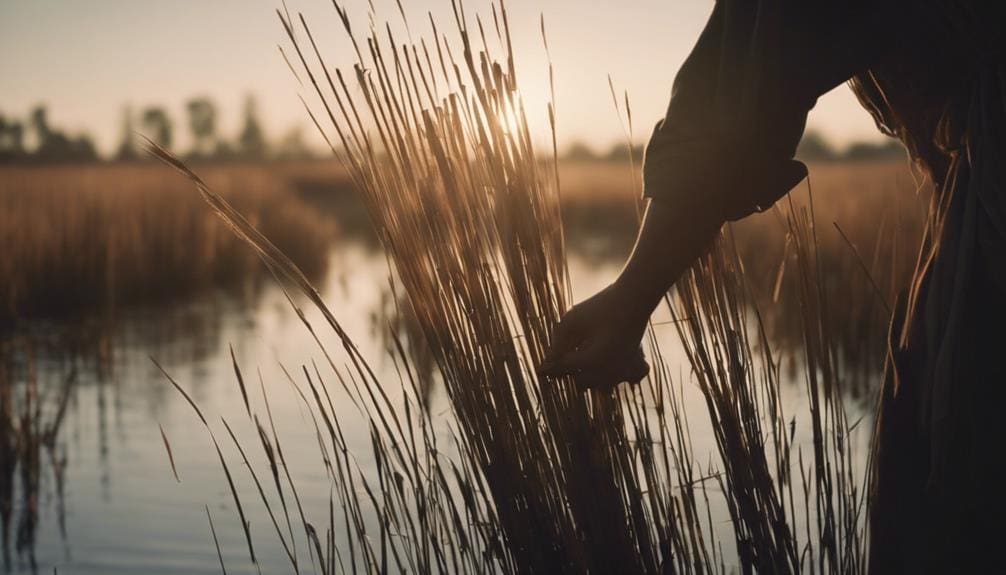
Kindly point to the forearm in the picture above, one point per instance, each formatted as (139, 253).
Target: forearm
(669, 241)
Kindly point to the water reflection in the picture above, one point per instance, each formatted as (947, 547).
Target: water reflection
(84, 478)
(30, 422)
(51, 372)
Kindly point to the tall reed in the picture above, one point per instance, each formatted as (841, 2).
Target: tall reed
(770, 490)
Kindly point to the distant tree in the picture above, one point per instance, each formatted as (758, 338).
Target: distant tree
(40, 123)
(814, 147)
(82, 149)
(15, 134)
(127, 147)
(292, 146)
(11, 139)
(889, 150)
(157, 124)
(203, 125)
(251, 143)
(6, 154)
(579, 151)
(54, 145)
(622, 153)
(224, 151)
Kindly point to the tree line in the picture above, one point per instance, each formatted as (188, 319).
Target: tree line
(50, 144)
(814, 147)
(35, 140)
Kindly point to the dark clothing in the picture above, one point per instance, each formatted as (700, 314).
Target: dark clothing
(932, 73)
(741, 99)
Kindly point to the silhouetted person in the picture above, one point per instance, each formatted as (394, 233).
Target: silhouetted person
(931, 72)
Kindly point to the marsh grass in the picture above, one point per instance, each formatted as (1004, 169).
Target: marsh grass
(772, 488)
(540, 478)
(87, 239)
(870, 222)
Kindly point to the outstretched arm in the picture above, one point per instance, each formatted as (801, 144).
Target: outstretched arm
(724, 150)
(668, 242)
(597, 341)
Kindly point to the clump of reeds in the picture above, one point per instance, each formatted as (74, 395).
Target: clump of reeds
(546, 478)
(872, 222)
(789, 515)
(89, 238)
(550, 479)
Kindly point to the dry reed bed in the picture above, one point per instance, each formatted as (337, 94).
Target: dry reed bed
(871, 219)
(88, 238)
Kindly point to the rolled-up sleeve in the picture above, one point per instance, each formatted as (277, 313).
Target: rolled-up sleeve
(740, 100)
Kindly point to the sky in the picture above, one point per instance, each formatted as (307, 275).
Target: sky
(87, 60)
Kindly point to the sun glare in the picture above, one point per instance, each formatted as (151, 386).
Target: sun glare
(509, 118)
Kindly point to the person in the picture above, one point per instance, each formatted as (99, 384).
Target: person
(931, 72)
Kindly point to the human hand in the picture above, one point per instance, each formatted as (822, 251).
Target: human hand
(598, 341)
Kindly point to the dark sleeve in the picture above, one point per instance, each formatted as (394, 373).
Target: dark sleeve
(740, 101)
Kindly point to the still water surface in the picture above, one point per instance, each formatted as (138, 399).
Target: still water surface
(107, 501)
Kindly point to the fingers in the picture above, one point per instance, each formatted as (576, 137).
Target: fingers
(593, 380)
(571, 362)
(595, 346)
(591, 371)
(565, 339)
(637, 368)
(562, 356)
(631, 372)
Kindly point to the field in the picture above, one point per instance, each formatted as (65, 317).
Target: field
(89, 239)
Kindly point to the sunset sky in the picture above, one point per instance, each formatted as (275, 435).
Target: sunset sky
(86, 60)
